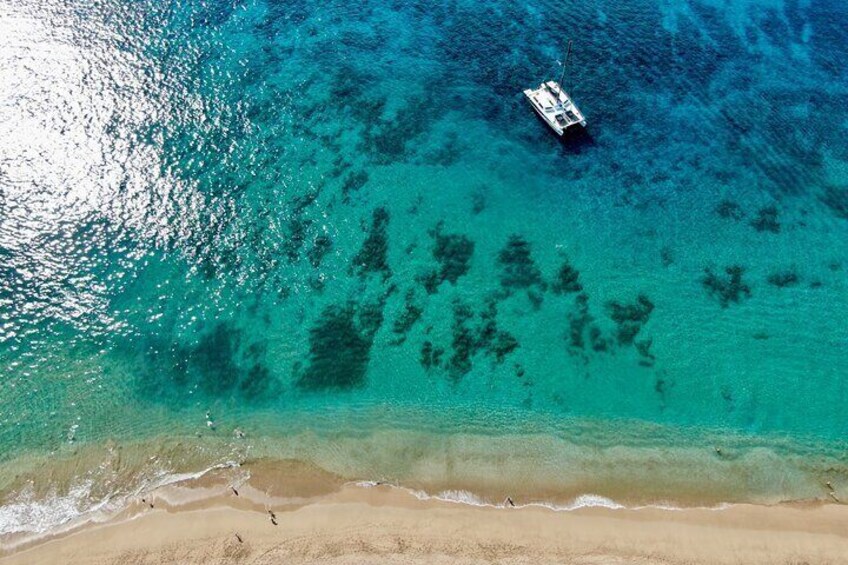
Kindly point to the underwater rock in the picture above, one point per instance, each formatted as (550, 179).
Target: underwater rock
(255, 382)
(215, 357)
(518, 269)
(321, 245)
(217, 366)
(503, 344)
(492, 340)
(340, 346)
(728, 289)
(783, 279)
(340, 166)
(430, 356)
(478, 203)
(453, 252)
(567, 279)
(485, 337)
(643, 347)
(297, 236)
(597, 340)
(447, 154)
(463, 342)
(536, 298)
(729, 210)
(666, 256)
(578, 320)
(385, 141)
(303, 201)
(430, 281)
(630, 317)
(373, 257)
(354, 182)
(660, 387)
(410, 315)
(766, 220)
(727, 396)
(836, 199)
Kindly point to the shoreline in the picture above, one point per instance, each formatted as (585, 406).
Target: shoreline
(197, 521)
(44, 496)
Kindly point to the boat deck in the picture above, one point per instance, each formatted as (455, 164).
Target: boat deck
(555, 106)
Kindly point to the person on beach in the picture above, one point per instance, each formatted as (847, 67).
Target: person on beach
(510, 502)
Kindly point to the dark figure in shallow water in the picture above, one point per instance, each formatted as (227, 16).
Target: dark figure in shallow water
(235, 491)
(510, 502)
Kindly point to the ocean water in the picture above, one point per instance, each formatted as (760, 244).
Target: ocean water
(339, 228)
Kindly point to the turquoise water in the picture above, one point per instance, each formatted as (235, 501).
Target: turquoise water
(277, 212)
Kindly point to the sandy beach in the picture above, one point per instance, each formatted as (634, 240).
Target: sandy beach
(381, 524)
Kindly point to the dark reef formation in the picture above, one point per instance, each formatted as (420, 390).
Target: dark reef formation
(666, 256)
(836, 198)
(727, 289)
(478, 202)
(630, 318)
(518, 269)
(373, 256)
(729, 210)
(453, 252)
(410, 314)
(585, 332)
(767, 220)
(222, 363)
(340, 346)
(470, 338)
(431, 356)
(567, 279)
(297, 228)
(578, 320)
(321, 245)
(782, 279)
(353, 182)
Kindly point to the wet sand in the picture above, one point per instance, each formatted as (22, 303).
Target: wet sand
(381, 524)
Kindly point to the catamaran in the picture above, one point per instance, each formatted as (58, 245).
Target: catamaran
(553, 103)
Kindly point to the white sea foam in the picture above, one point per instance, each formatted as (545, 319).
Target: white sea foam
(582, 501)
(27, 513)
(29, 516)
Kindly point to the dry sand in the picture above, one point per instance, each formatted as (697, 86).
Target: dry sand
(385, 525)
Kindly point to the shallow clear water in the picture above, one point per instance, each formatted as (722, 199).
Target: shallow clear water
(274, 210)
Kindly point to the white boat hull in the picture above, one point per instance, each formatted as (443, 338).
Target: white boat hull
(555, 107)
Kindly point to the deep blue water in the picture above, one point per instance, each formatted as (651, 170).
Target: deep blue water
(272, 210)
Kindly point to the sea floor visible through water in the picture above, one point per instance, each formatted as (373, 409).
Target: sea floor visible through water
(339, 229)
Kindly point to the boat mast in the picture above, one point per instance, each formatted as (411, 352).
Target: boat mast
(565, 65)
